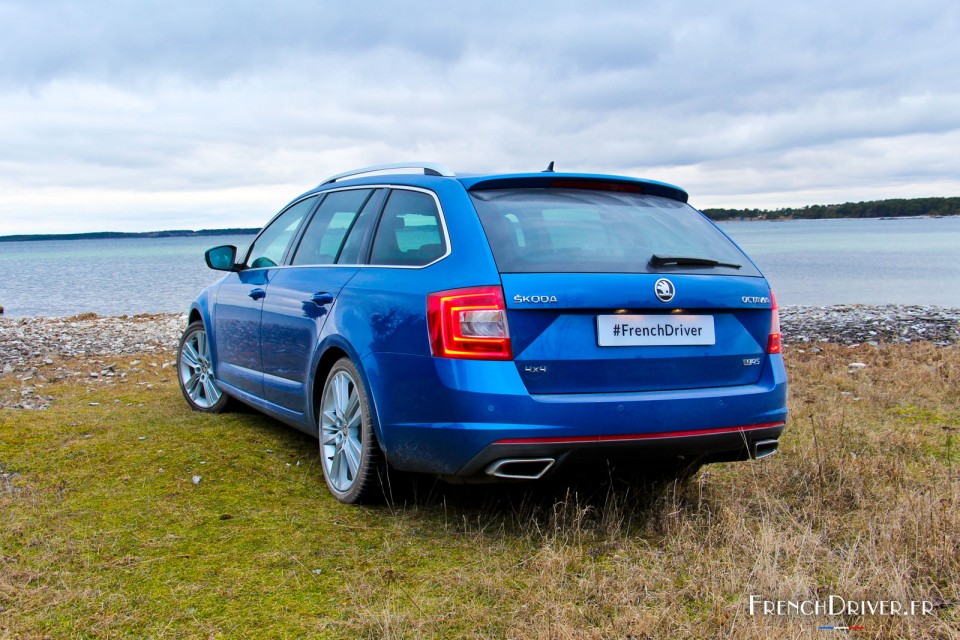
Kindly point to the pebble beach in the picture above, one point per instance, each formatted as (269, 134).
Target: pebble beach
(38, 350)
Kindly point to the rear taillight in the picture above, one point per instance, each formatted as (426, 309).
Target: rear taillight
(469, 323)
(774, 340)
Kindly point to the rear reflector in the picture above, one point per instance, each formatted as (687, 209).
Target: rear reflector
(469, 323)
(632, 437)
(775, 339)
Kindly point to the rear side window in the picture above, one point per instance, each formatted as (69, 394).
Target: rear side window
(324, 236)
(353, 247)
(270, 246)
(586, 231)
(410, 232)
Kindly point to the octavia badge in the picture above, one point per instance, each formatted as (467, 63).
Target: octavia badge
(664, 290)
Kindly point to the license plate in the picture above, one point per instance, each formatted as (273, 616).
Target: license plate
(654, 331)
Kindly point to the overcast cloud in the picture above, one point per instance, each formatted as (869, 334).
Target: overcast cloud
(158, 115)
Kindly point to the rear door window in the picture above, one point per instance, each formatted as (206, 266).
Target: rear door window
(592, 231)
(353, 247)
(324, 236)
(410, 232)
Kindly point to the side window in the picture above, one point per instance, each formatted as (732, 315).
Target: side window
(268, 249)
(409, 232)
(350, 254)
(324, 236)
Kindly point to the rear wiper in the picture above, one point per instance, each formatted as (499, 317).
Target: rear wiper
(671, 261)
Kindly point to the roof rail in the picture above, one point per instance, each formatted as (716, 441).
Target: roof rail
(429, 169)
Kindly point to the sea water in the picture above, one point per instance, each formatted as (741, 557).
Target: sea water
(809, 262)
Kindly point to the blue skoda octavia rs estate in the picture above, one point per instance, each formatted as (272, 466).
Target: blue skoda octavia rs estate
(492, 327)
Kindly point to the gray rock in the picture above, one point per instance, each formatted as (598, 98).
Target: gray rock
(88, 346)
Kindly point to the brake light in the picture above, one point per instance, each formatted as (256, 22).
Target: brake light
(469, 323)
(774, 340)
(596, 185)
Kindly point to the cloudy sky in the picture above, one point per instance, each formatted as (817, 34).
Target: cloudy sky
(133, 116)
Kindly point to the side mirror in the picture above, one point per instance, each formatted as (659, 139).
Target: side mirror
(222, 258)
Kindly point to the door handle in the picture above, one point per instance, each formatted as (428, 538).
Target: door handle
(258, 293)
(321, 298)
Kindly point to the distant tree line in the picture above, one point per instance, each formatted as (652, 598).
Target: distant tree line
(102, 235)
(897, 207)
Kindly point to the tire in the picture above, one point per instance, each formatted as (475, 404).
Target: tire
(353, 463)
(195, 372)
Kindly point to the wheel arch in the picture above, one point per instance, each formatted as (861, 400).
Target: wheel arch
(331, 350)
(200, 312)
(329, 358)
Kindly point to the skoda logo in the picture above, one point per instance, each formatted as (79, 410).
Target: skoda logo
(664, 290)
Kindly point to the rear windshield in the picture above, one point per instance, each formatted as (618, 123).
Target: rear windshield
(585, 231)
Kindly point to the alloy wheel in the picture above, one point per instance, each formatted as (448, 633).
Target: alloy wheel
(196, 371)
(341, 431)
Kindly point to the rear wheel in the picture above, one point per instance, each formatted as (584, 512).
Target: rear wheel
(195, 371)
(353, 464)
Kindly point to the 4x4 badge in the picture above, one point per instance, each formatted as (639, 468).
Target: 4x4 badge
(664, 290)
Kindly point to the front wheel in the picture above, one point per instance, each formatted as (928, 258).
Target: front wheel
(353, 464)
(195, 371)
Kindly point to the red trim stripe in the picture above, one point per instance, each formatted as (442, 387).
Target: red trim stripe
(639, 436)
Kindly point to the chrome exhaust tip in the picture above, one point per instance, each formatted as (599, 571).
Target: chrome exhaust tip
(520, 468)
(764, 448)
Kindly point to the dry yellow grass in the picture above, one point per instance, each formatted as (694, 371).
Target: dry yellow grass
(861, 502)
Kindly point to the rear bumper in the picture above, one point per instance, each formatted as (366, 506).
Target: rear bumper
(455, 417)
(636, 451)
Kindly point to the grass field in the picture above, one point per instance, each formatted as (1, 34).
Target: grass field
(106, 531)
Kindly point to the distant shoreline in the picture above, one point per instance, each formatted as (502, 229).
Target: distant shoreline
(774, 218)
(111, 235)
(893, 208)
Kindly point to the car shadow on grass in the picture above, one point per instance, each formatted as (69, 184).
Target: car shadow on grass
(607, 502)
(604, 500)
